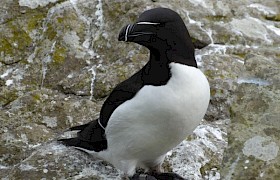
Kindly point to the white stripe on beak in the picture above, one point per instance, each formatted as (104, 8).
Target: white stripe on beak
(147, 23)
(126, 32)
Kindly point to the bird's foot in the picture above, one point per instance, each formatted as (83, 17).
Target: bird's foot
(157, 176)
(167, 176)
(139, 176)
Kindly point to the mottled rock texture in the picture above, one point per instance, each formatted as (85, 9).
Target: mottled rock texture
(59, 59)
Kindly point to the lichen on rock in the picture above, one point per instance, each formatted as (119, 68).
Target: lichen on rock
(60, 59)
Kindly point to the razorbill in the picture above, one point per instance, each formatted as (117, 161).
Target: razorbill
(154, 110)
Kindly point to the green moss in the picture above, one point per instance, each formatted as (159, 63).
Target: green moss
(19, 37)
(15, 42)
(36, 97)
(24, 62)
(198, 44)
(59, 20)
(59, 55)
(273, 17)
(212, 92)
(209, 74)
(122, 74)
(232, 111)
(8, 96)
(34, 21)
(50, 32)
(82, 84)
(224, 38)
(101, 90)
(241, 55)
(116, 11)
(5, 47)
(217, 18)
(206, 168)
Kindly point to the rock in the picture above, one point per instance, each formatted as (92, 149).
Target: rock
(38, 117)
(264, 68)
(45, 161)
(59, 60)
(253, 140)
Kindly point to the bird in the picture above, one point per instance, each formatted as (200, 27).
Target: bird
(154, 110)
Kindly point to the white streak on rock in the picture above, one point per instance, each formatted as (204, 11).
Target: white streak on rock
(92, 70)
(266, 10)
(35, 3)
(6, 73)
(9, 82)
(3, 167)
(45, 61)
(99, 14)
(274, 29)
(191, 21)
(26, 167)
(257, 81)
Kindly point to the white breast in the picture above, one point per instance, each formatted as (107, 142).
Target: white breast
(159, 117)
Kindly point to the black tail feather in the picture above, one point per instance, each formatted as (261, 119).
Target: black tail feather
(91, 136)
(92, 146)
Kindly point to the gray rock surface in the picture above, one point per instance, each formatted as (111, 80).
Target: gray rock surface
(59, 59)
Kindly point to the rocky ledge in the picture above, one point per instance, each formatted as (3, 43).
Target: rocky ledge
(59, 59)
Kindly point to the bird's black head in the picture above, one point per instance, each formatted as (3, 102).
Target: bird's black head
(162, 31)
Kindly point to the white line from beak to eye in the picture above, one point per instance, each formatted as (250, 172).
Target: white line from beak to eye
(126, 32)
(147, 23)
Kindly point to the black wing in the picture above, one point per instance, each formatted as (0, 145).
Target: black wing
(91, 136)
(121, 93)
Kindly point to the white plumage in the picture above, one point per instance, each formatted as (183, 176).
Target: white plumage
(142, 130)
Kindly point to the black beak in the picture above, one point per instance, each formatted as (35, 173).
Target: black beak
(132, 31)
(126, 30)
